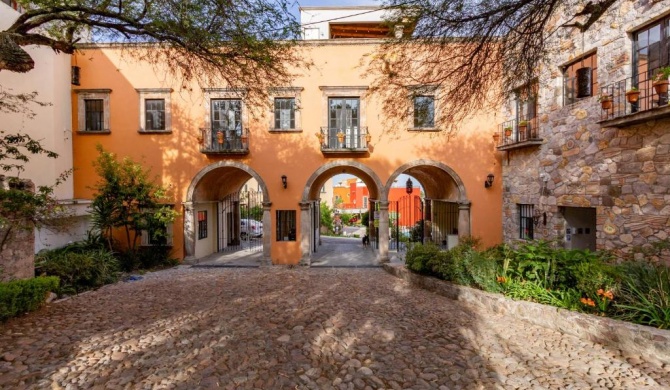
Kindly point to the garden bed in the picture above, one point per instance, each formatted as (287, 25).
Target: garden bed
(630, 338)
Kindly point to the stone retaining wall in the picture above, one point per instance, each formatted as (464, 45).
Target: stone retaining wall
(649, 342)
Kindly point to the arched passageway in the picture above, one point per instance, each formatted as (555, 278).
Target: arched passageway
(220, 214)
(440, 215)
(310, 202)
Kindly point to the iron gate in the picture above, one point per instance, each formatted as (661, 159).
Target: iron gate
(421, 220)
(240, 222)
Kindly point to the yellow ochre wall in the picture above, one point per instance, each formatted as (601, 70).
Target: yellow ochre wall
(175, 157)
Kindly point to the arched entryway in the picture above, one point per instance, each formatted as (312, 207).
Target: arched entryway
(215, 206)
(309, 204)
(444, 207)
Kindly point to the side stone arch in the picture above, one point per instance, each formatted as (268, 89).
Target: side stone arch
(439, 182)
(310, 196)
(238, 173)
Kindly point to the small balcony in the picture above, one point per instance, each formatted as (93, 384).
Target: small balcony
(634, 100)
(224, 141)
(349, 140)
(519, 134)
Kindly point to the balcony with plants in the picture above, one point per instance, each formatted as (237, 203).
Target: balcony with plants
(354, 140)
(517, 134)
(636, 99)
(224, 141)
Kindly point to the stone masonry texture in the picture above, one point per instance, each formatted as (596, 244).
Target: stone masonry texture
(624, 173)
(281, 328)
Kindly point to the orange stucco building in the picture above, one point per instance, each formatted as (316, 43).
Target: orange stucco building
(203, 143)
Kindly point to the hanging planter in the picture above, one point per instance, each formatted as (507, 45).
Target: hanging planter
(660, 80)
(633, 95)
(496, 138)
(605, 102)
(508, 131)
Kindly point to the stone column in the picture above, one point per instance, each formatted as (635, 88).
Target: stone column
(189, 231)
(464, 218)
(305, 232)
(267, 234)
(383, 238)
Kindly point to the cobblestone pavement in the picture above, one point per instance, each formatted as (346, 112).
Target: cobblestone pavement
(281, 328)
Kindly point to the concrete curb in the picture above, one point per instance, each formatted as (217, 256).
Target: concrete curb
(630, 338)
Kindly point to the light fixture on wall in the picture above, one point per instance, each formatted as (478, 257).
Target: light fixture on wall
(409, 186)
(284, 181)
(489, 180)
(537, 216)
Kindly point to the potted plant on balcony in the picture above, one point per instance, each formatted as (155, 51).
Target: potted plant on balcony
(496, 138)
(340, 137)
(605, 101)
(368, 138)
(244, 138)
(219, 137)
(320, 137)
(508, 131)
(633, 95)
(660, 80)
(523, 125)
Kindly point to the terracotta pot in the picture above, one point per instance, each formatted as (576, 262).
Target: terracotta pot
(219, 137)
(340, 137)
(368, 138)
(496, 137)
(508, 132)
(522, 129)
(661, 86)
(632, 96)
(606, 104)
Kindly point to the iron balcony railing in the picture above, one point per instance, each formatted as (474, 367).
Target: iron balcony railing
(519, 132)
(224, 141)
(353, 139)
(632, 95)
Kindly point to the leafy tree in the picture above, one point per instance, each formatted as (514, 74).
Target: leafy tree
(23, 207)
(477, 52)
(243, 43)
(326, 217)
(346, 218)
(127, 199)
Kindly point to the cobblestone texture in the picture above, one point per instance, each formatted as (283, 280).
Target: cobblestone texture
(279, 328)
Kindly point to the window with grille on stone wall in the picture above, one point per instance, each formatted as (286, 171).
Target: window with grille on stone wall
(286, 225)
(580, 78)
(525, 221)
(202, 224)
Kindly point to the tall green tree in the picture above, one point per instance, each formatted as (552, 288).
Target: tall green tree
(128, 199)
(326, 217)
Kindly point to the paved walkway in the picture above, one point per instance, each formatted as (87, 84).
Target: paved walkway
(282, 328)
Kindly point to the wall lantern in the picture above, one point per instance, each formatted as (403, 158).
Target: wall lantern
(409, 186)
(284, 181)
(74, 75)
(489, 180)
(537, 216)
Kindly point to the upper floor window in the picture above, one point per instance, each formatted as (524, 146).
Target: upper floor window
(284, 113)
(93, 110)
(226, 114)
(424, 112)
(155, 110)
(580, 78)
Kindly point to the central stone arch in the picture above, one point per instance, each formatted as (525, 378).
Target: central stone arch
(214, 182)
(310, 197)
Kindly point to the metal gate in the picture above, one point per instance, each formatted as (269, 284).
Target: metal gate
(373, 223)
(240, 222)
(413, 219)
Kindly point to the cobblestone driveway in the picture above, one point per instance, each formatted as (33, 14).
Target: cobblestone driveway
(278, 328)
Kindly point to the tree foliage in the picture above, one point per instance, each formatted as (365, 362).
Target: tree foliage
(326, 217)
(127, 199)
(472, 54)
(243, 43)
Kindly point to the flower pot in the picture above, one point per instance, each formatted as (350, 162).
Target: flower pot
(522, 129)
(368, 138)
(496, 138)
(244, 139)
(632, 96)
(340, 137)
(606, 104)
(508, 132)
(219, 137)
(200, 140)
(661, 86)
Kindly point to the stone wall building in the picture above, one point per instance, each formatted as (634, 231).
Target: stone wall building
(591, 174)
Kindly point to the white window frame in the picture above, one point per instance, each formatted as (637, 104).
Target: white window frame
(91, 94)
(225, 93)
(155, 93)
(428, 91)
(359, 92)
(285, 93)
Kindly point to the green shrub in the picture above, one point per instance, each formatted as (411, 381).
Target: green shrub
(156, 257)
(78, 270)
(591, 276)
(421, 258)
(534, 291)
(644, 297)
(21, 296)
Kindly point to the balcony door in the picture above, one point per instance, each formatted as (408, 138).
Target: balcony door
(226, 118)
(344, 117)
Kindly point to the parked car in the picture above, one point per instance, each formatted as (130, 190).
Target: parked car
(250, 228)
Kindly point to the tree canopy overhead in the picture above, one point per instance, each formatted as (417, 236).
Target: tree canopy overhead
(475, 51)
(240, 41)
